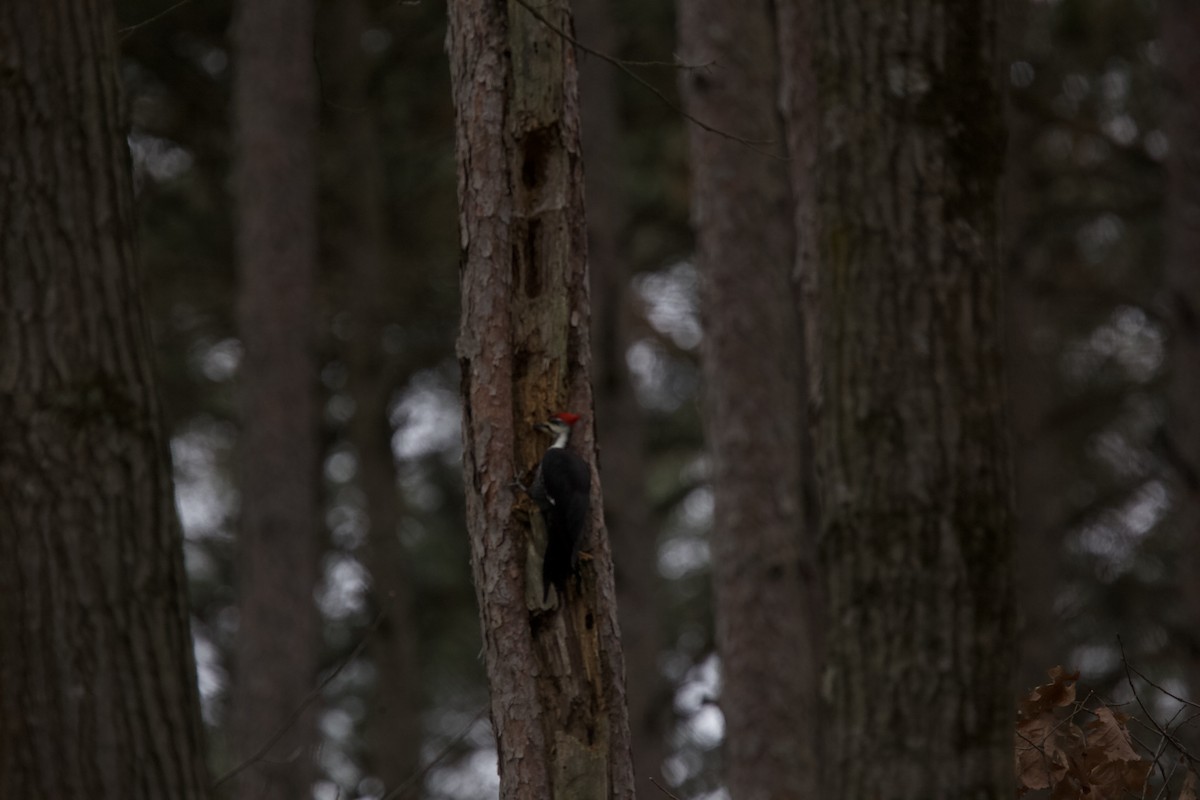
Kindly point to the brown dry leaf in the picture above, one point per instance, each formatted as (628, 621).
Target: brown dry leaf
(1046, 742)
(1067, 789)
(1188, 792)
(1095, 762)
(1110, 764)
(1109, 733)
(1059, 692)
(1041, 761)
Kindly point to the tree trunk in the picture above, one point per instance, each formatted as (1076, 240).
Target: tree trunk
(1181, 37)
(276, 652)
(358, 247)
(916, 539)
(742, 215)
(556, 675)
(621, 432)
(97, 681)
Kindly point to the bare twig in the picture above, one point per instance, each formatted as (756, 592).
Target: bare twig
(752, 144)
(1191, 718)
(678, 63)
(125, 32)
(1154, 685)
(421, 773)
(1156, 765)
(657, 785)
(1165, 734)
(304, 704)
(1166, 782)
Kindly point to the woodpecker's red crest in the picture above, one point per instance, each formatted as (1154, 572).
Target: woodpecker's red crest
(566, 416)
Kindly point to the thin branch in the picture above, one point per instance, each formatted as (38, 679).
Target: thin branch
(125, 32)
(1192, 718)
(1156, 765)
(657, 785)
(421, 773)
(1153, 685)
(1183, 751)
(752, 144)
(676, 64)
(304, 704)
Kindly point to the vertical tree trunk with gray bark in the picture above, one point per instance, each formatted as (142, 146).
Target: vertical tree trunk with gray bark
(917, 538)
(97, 681)
(276, 652)
(556, 674)
(742, 215)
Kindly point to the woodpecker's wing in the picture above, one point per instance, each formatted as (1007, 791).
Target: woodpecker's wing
(577, 513)
(567, 482)
(564, 473)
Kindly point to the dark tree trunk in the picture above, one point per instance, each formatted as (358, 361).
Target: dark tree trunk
(916, 539)
(742, 215)
(97, 682)
(556, 675)
(279, 543)
(621, 429)
(1181, 36)
(358, 250)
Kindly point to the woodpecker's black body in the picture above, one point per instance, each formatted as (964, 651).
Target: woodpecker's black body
(562, 490)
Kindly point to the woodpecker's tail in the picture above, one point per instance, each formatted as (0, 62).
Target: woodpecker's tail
(556, 569)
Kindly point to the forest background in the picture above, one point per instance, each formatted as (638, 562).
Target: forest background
(1095, 231)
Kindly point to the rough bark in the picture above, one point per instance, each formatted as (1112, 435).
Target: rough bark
(621, 432)
(97, 681)
(916, 540)
(742, 216)
(358, 250)
(556, 675)
(1181, 37)
(276, 651)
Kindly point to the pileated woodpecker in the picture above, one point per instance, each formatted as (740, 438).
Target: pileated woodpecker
(562, 490)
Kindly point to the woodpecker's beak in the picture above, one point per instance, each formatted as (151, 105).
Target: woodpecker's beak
(542, 426)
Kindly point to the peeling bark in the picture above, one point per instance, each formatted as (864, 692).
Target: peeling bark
(556, 676)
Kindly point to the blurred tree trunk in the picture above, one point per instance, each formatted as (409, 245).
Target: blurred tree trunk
(916, 538)
(742, 215)
(1181, 37)
(278, 638)
(358, 249)
(556, 675)
(620, 428)
(97, 681)
(795, 24)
